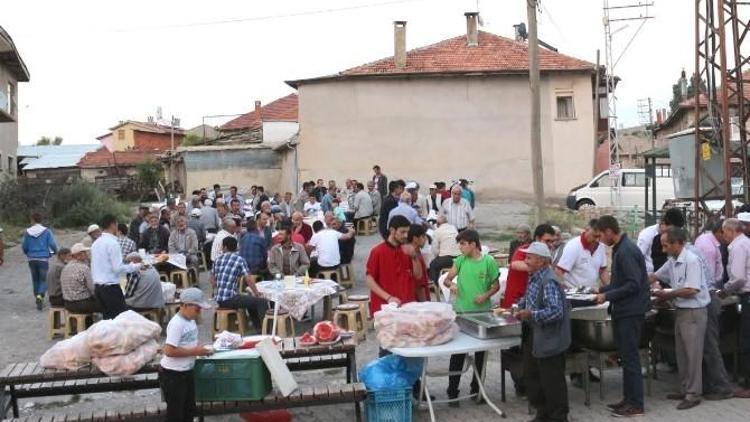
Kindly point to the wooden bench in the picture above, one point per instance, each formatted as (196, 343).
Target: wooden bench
(303, 397)
(88, 385)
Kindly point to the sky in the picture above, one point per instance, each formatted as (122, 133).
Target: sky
(95, 63)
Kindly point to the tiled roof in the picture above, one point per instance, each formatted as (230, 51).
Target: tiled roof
(494, 54)
(103, 158)
(148, 127)
(284, 109)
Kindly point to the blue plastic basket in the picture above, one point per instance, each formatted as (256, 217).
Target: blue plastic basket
(389, 406)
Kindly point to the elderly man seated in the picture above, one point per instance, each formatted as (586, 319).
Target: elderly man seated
(143, 288)
(404, 208)
(77, 283)
(288, 257)
(156, 237)
(183, 240)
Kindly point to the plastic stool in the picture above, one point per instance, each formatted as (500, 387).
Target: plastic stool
(163, 277)
(364, 227)
(57, 317)
(348, 316)
(193, 276)
(77, 323)
(153, 315)
(334, 275)
(232, 320)
(284, 324)
(180, 279)
(364, 307)
(347, 275)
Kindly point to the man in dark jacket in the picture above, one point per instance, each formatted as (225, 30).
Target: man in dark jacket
(628, 292)
(135, 224)
(395, 187)
(156, 237)
(381, 181)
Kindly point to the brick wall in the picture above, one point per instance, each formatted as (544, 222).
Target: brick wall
(151, 141)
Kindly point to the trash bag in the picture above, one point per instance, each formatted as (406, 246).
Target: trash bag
(130, 363)
(391, 372)
(121, 335)
(71, 354)
(168, 290)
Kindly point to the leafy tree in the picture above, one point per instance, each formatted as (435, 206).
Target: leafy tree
(148, 174)
(58, 140)
(692, 90)
(44, 140)
(192, 139)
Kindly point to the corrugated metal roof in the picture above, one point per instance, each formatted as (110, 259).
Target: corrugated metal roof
(38, 157)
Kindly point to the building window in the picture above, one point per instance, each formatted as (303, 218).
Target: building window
(121, 134)
(565, 110)
(11, 99)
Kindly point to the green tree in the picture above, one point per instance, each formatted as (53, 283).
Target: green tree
(147, 175)
(692, 90)
(44, 140)
(57, 141)
(192, 139)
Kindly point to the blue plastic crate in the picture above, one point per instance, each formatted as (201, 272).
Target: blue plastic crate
(389, 406)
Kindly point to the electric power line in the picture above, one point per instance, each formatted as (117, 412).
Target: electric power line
(266, 17)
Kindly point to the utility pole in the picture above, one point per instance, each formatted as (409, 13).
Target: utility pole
(597, 108)
(537, 170)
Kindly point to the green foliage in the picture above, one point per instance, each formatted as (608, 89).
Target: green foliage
(44, 140)
(148, 174)
(57, 141)
(192, 139)
(75, 205)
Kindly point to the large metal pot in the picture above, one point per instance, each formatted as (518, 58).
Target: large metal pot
(599, 335)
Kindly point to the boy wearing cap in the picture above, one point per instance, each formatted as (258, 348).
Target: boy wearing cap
(476, 284)
(180, 349)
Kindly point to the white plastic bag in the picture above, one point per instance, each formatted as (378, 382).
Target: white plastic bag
(415, 324)
(71, 354)
(130, 363)
(227, 340)
(121, 335)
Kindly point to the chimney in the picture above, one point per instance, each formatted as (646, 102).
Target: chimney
(472, 37)
(399, 44)
(258, 111)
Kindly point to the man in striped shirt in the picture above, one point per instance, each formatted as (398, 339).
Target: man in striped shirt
(458, 211)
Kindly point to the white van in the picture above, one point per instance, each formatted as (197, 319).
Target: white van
(598, 193)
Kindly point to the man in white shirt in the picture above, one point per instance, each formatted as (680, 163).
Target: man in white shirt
(229, 228)
(583, 262)
(649, 240)
(458, 211)
(444, 247)
(325, 242)
(107, 268)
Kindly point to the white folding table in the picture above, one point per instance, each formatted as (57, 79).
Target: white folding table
(462, 343)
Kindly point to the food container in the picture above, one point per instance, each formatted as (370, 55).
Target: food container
(599, 335)
(235, 375)
(486, 325)
(590, 313)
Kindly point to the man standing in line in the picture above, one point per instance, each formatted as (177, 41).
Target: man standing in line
(38, 246)
(683, 271)
(547, 314)
(738, 270)
(380, 180)
(628, 293)
(107, 267)
(458, 211)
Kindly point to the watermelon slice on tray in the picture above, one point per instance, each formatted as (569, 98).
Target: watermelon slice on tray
(326, 331)
(307, 339)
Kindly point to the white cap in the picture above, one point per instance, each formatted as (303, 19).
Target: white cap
(744, 217)
(196, 212)
(77, 248)
(208, 202)
(411, 185)
(538, 248)
(92, 228)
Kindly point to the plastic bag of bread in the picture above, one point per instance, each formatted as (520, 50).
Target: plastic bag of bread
(72, 353)
(128, 364)
(168, 290)
(415, 324)
(121, 335)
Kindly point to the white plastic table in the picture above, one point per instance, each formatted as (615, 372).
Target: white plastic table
(462, 343)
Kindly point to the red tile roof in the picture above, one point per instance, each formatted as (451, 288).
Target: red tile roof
(103, 158)
(494, 54)
(285, 109)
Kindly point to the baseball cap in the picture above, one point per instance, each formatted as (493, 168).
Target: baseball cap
(411, 185)
(93, 228)
(78, 248)
(194, 296)
(538, 248)
(433, 186)
(196, 212)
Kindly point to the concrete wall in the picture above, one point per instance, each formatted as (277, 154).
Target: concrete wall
(128, 138)
(8, 131)
(279, 131)
(240, 167)
(429, 129)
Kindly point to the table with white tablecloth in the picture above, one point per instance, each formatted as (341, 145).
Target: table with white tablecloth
(297, 298)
